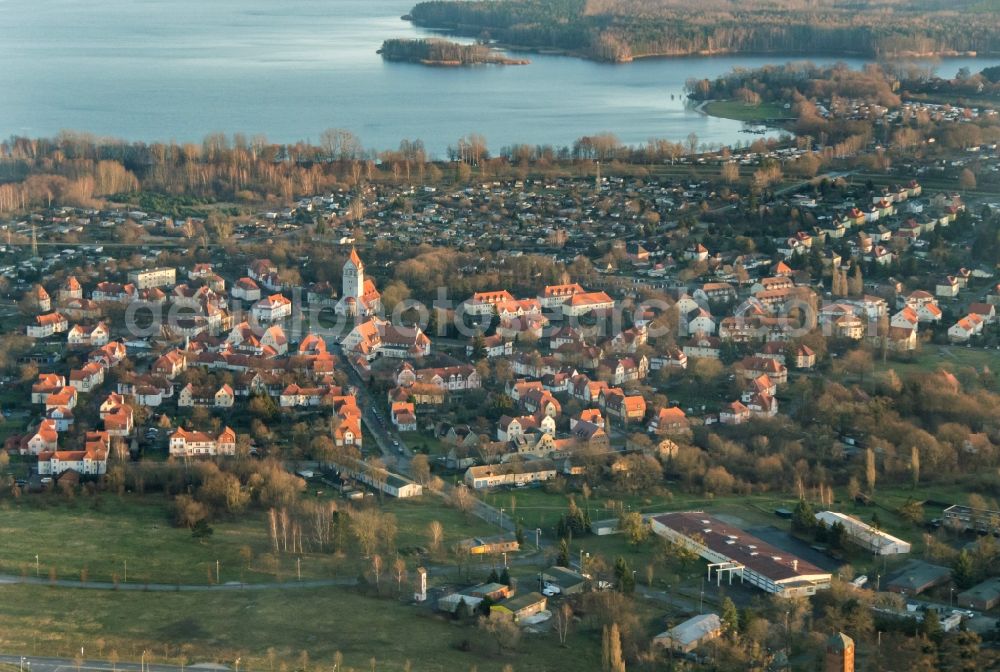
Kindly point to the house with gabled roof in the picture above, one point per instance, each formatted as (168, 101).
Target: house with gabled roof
(47, 325)
(185, 443)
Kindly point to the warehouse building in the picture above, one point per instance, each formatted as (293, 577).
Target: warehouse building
(692, 633)
(983, 596)
(864, 535)
(730, 550)
(959, 517)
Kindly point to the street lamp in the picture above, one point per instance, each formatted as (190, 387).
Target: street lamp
(951, 598)
(142, 661)
(538, 536)
(37, 574)
(238, 664)
(501, 517)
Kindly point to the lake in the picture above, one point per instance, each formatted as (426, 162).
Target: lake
(180, 69)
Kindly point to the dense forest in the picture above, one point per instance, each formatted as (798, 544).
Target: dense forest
(442, 52)
(622, 30)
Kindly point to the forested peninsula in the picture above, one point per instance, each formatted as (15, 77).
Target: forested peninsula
(435, 51)
(623, 30)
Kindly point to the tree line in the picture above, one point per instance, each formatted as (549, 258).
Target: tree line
(622, 30)
(436, 51)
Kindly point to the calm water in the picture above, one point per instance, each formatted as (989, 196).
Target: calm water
(179, 69)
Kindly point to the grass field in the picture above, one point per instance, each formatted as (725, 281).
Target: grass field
(207, 627)
(734, 109)
(69, 537)
(933, 357)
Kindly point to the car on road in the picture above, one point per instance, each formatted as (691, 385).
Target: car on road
(548, 591)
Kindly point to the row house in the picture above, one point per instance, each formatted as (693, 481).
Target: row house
(531, 365)
(589, 415)
(92, 461)
(673, 358)
(38, 299)
(532, 444)
(966, 328)
(528, 326)
(44, 439)
(46, 384)
(492, 346)
(146, 390)
(274, 308)
(629, 340)
(987, 311)
(171, 364)
(152, 296)
(190, 396)
(750, 368)
(586, 303)
(91, 336)
(592, 435)
(321, 294)
(184, 443)
(347, 425)
(947, 287)
(627, 408)
(510, 474)
(540, 402)
(626, 369)
(81, 309)
(840, 320)
(272, 342)
(735, 413)
(246, 289)
(586, 390)
(452, 378)
(901, 339)
(485, 303)
(509, 428)
(87, 378)
(376, 337)
(47, 325)
(703, 346)
(201, 271)
(553, 296)
(109, 355)
(761, 405)
(264, 272)
(297, 396)
(70, 289)
(670, 420)
(117, 415)
(113, 292)
(185, 296)
(716, 292)
(403, 415)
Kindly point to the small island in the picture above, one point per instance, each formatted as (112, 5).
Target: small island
(440, 52)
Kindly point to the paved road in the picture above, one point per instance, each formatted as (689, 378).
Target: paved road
(398, 460)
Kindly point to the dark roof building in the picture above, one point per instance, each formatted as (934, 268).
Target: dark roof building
(730, 549)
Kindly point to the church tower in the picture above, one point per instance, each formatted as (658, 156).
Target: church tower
(354, 276)
(839, 654)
